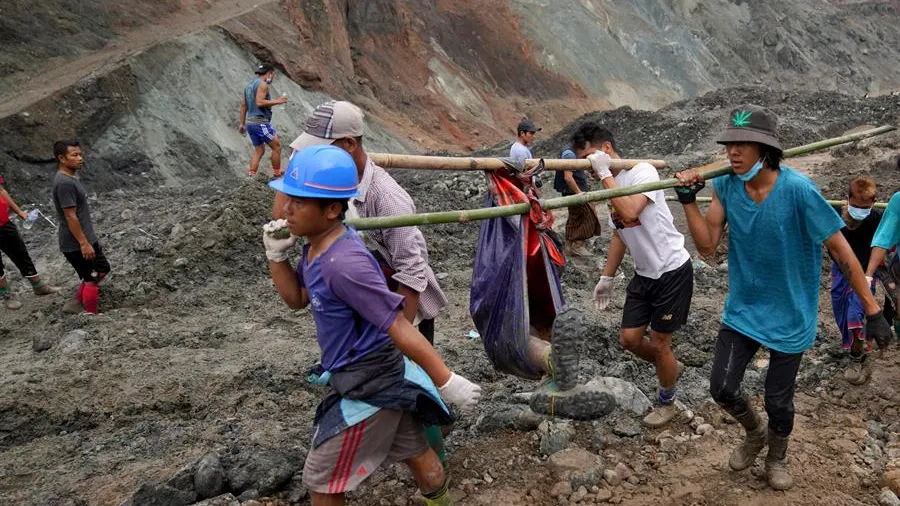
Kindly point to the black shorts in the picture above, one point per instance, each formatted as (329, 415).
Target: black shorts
(88, 270)
(663, 303)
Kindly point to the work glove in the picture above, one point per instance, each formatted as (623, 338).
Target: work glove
(600, 163)
(877, 328)
(603, 292)
(278, 240)
(460, 392)
(688, 194)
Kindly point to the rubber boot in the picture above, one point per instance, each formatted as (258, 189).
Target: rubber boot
(435, 439)
(90, 296)
(861, 370)
(41, 288)
(6, 297)
(74, 306)
(565, 342)
(440, 497)
(755, 439)
(776, 462)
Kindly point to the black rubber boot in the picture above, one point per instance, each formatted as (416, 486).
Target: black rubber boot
(568, 334)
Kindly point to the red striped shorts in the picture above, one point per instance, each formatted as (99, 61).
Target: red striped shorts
(346, 460)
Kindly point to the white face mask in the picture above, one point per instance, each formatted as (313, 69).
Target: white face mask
(750, 174)
(858, 213)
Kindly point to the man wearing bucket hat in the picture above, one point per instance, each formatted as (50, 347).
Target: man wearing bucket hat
(381, 370)
(778, 222)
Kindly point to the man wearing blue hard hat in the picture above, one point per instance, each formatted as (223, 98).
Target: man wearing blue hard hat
(382, 371)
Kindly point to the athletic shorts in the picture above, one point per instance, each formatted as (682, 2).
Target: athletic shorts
(664, 303)
(260, 134)
(89, 271)
(341, 463)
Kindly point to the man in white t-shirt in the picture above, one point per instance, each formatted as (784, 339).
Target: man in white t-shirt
(525, 132)
(660, 293)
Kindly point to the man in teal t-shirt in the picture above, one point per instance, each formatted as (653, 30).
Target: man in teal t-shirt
(777, 224)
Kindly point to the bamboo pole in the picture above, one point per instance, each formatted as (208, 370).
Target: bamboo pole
(709, 171)
(392, 161)
(832, 203)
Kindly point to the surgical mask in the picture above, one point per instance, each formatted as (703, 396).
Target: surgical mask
(750, 174)
(269, 80)
(858, 213)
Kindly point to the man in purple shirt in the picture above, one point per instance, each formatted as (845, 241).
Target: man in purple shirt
(382, 371)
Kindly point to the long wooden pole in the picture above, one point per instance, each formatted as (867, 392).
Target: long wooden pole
(832, 203)
(423, 162)
(707, 171)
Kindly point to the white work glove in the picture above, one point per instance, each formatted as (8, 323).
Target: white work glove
(603, 292)
(600, 163)
(460, 391)
(277, 245)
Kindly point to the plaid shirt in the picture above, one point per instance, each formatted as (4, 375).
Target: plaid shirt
(403, 248)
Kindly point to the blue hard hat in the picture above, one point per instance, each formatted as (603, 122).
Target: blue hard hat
(319, 172)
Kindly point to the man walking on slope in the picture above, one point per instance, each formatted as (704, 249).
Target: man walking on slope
(401, 252)
(379, 400)
(12, 245)
(582, 223)
(256, 119)
(861, 221)
(659, 295)
(778, 222)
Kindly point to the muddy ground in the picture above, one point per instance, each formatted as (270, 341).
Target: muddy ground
(194, 353)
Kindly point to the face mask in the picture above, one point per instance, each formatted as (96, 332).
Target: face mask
(752, 172)
(858, 213)
(268, 80)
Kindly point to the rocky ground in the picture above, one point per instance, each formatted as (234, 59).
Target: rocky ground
(192, 381)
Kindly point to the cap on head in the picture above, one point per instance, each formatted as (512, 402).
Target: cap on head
(751, 123)
(329, 122)
(319, 172)
(263, 68)
(526, 125)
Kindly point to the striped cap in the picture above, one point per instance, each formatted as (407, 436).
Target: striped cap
(331, 121)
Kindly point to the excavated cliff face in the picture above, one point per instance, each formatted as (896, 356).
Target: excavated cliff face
(153, 88)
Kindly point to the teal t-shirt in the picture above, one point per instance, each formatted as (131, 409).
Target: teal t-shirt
(888, 233)
(775, 259)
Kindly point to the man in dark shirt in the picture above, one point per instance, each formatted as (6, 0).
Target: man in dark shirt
(861, 222)
(77, 240)
(582, 223)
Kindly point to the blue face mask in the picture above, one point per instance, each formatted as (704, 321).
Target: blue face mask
(858, 213)
(750, 174)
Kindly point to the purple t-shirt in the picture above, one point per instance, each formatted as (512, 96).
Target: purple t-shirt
(349, 300)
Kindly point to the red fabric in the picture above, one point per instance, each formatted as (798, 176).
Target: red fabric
(4, 208)
(90, 296)
(509, 189)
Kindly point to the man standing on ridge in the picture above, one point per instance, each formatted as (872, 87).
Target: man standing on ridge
(525, 132)
(256, 118)
(659, 295)
(77, 240)
(777, 224)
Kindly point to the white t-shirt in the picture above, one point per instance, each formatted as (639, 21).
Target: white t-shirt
(656, 246)
(519, 151)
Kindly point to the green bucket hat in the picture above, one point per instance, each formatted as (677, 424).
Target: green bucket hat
(751, 123)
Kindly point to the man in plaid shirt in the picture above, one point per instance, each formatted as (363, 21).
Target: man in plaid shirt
(401, 251)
